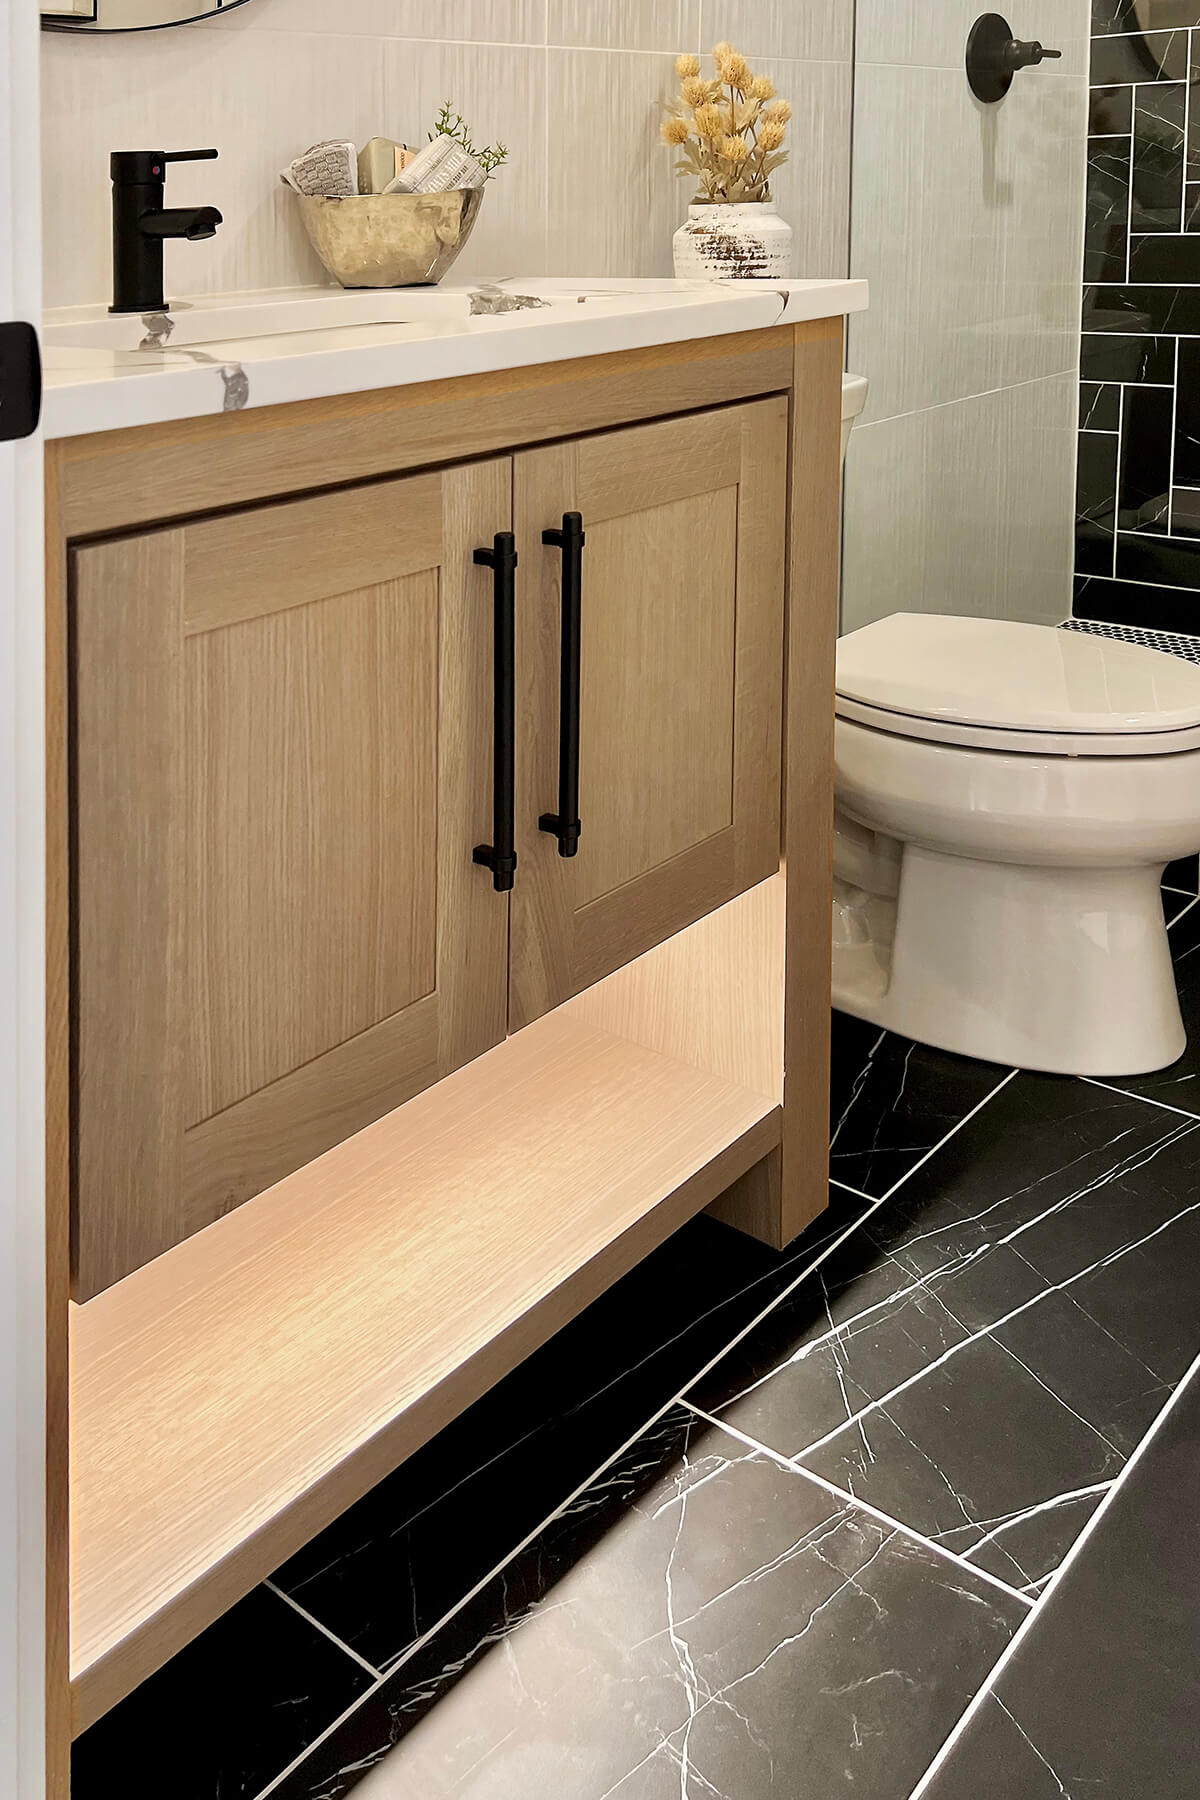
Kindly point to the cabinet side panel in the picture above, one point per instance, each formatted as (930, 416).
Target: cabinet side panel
(129, 911)
(58, 1153)
(808, 768)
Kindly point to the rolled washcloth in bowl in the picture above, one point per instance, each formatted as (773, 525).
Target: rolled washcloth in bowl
(329, 169)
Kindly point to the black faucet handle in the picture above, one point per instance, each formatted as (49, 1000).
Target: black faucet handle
(208, 155)
(1022, 54)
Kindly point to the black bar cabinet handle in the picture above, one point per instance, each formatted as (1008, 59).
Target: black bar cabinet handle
(500, 856)
(564, 824)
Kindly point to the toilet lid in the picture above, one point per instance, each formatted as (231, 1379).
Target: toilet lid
(997, 673)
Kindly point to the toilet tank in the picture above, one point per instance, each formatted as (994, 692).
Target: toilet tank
(854, 398)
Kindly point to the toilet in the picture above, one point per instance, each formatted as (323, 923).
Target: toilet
(1007, 797)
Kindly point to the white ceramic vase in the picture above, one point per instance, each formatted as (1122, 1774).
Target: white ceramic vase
(738, 241)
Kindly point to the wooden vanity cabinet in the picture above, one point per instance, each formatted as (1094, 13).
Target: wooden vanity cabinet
(282, 760)
(274, 964)
(283, 739)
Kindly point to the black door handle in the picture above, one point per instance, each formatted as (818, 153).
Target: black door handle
(565, 824)
(500, 855)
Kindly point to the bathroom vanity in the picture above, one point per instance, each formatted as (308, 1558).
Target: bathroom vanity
(440, 810)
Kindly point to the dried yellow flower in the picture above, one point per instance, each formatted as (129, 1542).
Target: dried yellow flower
(721, 51)
(687, 66)
(761, 88)
(770, 134)
(710, 121)
(695, 91)
(780, 110)
(737, 71)
(735, 149)
(675, 131)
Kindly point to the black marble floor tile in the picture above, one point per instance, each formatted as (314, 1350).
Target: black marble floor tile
(226, 1715)
(859, 1326)
(1102, 1694)
(1179, 1085)
(1175, 903)
(395, 1563)
(976, 1441)
(892, 1101)
(1183, 875)
(998, 1333)
(702, 1622)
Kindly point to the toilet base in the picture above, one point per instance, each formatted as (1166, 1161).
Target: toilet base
(1063, 970)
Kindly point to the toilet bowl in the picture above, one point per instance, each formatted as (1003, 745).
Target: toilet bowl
(1007, 796)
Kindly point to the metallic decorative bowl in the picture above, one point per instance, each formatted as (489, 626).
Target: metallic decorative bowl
(390, 240)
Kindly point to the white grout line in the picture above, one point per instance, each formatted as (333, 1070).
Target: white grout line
(1116, 513)
(978, 1107)
(871, 1199)
(420, 1642)
(1171, 455)
(1180, 1111)
(1183, 909)
(1133, 101)
(1051, 1587)
(1187, 133)
(676, 1399)
(848, 1499)
(282, 1594)
(826, 1251)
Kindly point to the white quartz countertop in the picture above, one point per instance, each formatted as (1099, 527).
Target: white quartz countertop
(228, 351)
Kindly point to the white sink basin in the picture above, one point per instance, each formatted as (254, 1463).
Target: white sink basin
(269, 313)
(221, 317)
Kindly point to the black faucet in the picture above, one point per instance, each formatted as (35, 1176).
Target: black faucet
(141, 222)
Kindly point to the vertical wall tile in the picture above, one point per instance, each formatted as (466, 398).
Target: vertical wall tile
(812, 189)
(1145, 474)
(1187, 415)
(1035, 455)
(502, 93)
(1106, 227)
(967, 224)
(1158, 116)
(817, 29)
(1110, 111)
(964, 508)
(613, 198)
(1095, 502)
(452, 21)
(624, 24)
(935, 36)
(1099, 406)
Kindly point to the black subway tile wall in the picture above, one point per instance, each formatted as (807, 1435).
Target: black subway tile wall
(1137, 533)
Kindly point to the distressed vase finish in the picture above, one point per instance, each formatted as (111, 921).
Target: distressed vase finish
(737, 241)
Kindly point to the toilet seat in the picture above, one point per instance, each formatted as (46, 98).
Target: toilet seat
(997, 684)
(1009, 739)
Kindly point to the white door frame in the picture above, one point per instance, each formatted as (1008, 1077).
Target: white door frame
(22, 959)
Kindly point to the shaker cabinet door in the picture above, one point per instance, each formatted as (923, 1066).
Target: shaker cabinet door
(671, 701)
(282, 762)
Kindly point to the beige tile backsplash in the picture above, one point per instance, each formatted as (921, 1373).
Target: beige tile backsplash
(574, 87)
